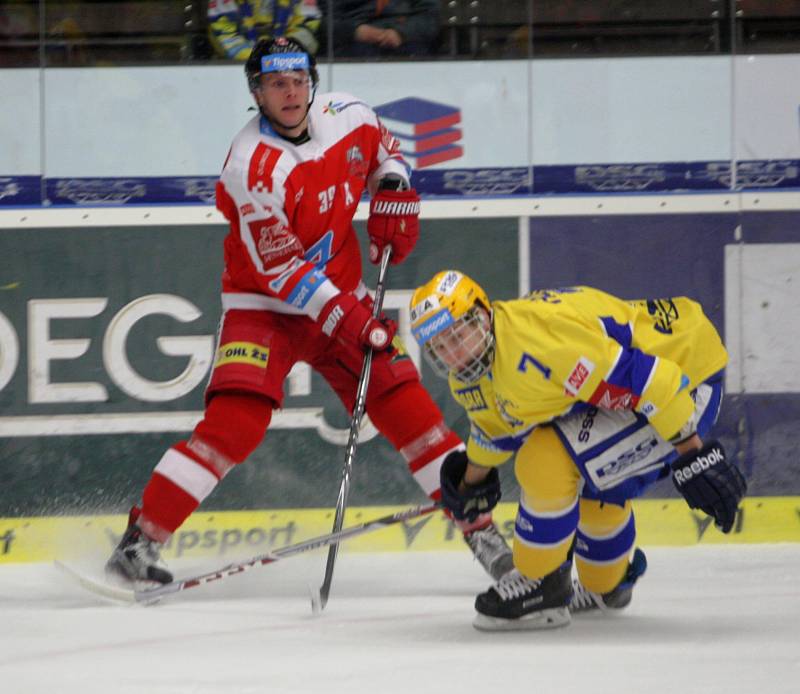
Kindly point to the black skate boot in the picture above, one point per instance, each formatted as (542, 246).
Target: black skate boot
(585, 601)
(516, 602)
(491, 549)
(136, 557)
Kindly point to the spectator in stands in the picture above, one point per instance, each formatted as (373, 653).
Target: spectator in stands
(235, 26)
(372, 28)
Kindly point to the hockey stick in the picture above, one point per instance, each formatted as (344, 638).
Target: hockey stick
(319, 602)
(150, 595)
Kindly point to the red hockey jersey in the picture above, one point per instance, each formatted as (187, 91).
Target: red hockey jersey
(291, 245)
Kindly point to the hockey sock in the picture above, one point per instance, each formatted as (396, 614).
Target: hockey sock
(413, 424)
(187, 473)
(606, 535)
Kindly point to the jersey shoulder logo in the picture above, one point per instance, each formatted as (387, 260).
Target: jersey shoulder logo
(333, 107)
(664, 313)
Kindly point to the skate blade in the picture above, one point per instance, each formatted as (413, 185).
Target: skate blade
(543, 619)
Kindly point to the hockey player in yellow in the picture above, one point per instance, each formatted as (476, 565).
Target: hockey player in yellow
(236, 26)
(598, 397)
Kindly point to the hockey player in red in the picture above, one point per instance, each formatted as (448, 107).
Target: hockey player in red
(292, 291)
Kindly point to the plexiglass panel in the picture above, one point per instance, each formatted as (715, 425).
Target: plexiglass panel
(619, 96)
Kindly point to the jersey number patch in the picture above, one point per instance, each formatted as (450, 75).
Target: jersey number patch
(527, 359)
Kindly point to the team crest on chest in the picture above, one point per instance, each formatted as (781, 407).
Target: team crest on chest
(276, 240)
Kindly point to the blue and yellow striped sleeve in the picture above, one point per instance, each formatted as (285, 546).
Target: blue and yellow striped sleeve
(600, 366)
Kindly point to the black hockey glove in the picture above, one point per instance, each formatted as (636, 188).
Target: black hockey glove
(475, 500)
(710, 483)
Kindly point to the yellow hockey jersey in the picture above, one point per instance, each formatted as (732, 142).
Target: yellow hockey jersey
(235, 26)
(559, 350)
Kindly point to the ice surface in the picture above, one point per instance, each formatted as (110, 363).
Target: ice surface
(704, 619)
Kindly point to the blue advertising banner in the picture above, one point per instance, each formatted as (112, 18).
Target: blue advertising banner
(594, 179)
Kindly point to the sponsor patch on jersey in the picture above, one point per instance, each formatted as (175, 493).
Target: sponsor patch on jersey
(471, 398)
(611, 397)
(246, 209)
(629, 459)
(579, 375)
(305, 288)
(333, 107)
(248, 353)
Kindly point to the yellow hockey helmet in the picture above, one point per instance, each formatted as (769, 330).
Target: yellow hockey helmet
(451, 321)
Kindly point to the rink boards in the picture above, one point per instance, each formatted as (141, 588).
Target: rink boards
(240, 534)
(108, 318)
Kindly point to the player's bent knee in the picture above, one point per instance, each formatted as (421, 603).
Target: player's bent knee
(234, 424)
(403, 413)
(546, 472)
(603, 518)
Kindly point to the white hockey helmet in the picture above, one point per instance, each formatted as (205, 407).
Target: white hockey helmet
(451, 321)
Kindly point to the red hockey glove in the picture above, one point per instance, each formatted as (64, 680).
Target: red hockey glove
(394, 220)
(346, 319)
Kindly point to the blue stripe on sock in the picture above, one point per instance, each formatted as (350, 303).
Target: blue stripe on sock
(607, 549)
(545, 530)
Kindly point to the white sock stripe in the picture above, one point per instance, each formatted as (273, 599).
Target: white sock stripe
(607, 536)
(523, 502)
(542, 545)
(602, 562)
(427, 477)
(222, 465)
(187, 474)
(432, 437)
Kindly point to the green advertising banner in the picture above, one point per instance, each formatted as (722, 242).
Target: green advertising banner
(106, 341)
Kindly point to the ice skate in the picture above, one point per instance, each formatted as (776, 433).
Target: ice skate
(491, 549)
(136, 558)
(584, 600)
(516, 602)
